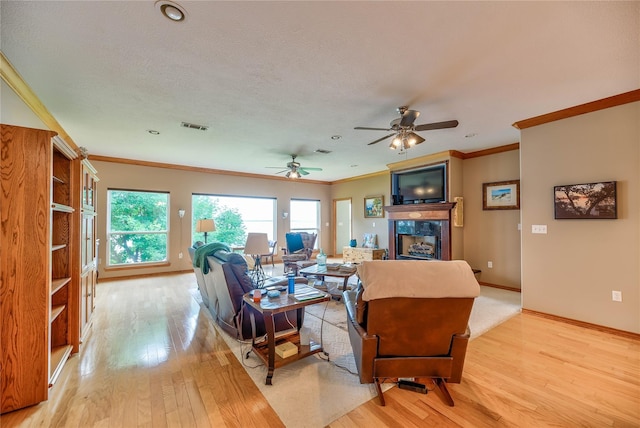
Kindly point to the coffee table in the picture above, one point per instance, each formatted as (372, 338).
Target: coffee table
(322, 271)
(268, 307)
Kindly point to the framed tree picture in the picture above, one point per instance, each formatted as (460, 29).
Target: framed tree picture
(373, 206)
(501, 195)
(585, 201)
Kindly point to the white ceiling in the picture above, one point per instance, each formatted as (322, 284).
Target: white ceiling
(275, 78)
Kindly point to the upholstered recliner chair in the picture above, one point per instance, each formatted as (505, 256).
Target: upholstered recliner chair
(409, 319)
(299, 248)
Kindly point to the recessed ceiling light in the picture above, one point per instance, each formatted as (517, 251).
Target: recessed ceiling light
(153, 132)
(171, 10)
(336, 137)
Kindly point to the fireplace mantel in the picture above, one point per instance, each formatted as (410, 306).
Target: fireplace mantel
(440, 212)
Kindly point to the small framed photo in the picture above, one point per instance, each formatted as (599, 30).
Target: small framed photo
(501, 195)
(373, 206)
(585, 201)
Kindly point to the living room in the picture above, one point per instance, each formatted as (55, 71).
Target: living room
(568, 273)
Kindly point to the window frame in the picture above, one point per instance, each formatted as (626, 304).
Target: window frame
(318, 227)
(166, 232)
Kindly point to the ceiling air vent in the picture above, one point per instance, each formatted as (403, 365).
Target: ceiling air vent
(194, 126)
(323, 151)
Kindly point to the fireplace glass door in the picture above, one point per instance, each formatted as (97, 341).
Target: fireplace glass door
(420, 240)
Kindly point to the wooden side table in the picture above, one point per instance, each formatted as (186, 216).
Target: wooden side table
(268, 307)
(360, 254)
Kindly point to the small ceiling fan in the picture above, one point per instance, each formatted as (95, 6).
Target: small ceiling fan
(404, 129)
(294, 170)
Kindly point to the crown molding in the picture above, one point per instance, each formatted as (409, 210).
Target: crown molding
(616, 100)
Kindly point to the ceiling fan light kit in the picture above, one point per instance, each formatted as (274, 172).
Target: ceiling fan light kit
(403, 129)
(293, 169)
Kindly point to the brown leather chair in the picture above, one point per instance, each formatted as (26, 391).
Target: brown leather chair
(409, 319)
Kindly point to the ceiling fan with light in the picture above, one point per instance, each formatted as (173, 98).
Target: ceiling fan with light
(293, 169)
(404, 129)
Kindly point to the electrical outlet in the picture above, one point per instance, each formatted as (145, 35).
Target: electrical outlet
(490, 265)
(539, 228)
(616, 296)
(180, 255)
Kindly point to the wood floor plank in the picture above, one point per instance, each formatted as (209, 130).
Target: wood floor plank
(154, 359)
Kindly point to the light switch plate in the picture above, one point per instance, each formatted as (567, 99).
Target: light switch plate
(539, 228)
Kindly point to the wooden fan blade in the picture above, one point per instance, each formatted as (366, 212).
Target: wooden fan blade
(372, 129)
(380, 139)
(437, 125)
(409, 117)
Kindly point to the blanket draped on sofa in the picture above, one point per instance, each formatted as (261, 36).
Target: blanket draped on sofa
(199, 260)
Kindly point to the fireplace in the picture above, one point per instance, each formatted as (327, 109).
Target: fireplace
(420, 231)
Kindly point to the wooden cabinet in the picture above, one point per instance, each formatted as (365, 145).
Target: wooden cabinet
(358, 254)
(88, 245)
(25, 266)
(64, 334)
(40, 262)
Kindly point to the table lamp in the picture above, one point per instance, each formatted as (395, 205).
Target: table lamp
(256, 245)
(205, 225)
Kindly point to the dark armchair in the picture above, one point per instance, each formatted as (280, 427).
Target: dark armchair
(299, 248)
(409, 319)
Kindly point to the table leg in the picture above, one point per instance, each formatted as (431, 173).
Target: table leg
(271, 342)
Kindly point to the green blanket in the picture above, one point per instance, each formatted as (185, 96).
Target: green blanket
(200, 256)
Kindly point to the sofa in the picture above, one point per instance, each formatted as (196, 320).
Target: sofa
(409, 319)
(223, 279)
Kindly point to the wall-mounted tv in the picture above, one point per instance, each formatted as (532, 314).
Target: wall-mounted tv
(424, 185)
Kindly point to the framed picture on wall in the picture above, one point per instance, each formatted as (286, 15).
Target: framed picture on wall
(373, 206)
(501, 195)
(585, 201)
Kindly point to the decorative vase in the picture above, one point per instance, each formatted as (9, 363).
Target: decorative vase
(321, 258)
(353, 243)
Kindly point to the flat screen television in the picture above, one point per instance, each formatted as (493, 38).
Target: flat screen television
(424, 185)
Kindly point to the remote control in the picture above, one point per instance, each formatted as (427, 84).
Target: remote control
(412, 386)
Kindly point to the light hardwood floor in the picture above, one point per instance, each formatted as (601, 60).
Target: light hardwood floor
(153, 359)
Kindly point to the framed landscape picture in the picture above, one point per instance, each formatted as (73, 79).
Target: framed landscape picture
(501, 195)
(373, 206)
(586, 201)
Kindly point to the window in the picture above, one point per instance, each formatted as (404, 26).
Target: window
(234, 217)
(137, 227)
(304, 216)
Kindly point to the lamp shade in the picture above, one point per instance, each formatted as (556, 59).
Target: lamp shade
(205, 225)
(257, 243)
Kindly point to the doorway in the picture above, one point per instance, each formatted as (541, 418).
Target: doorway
(341, 225)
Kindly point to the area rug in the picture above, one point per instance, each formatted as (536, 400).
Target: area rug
(317, 390)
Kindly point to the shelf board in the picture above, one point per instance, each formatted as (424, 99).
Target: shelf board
(57, 180)
(56, 311)
(62, 208)
(59, 356)
(57, 284)
(58, 247)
